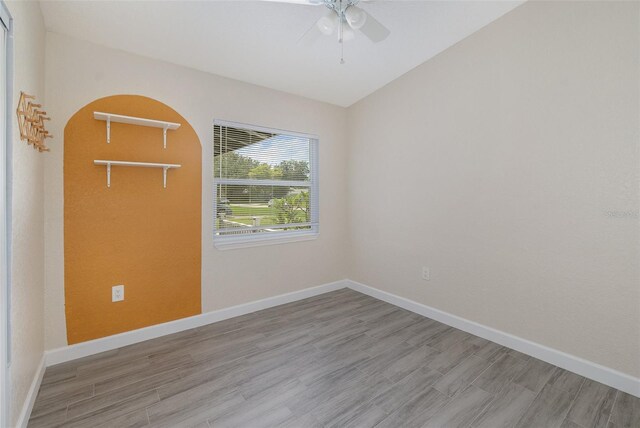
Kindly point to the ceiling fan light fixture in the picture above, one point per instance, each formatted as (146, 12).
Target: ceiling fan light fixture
(328, 23)
(355, 17)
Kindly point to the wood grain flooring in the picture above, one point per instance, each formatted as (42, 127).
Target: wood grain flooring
(341, 359)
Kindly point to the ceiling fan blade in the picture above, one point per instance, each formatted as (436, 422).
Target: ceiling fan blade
(374, 30)
(310, 36)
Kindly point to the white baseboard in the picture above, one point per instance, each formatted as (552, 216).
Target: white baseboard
(84, 349)
(588, 369)
(30, 400)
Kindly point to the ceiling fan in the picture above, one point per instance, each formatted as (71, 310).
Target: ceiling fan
(344, 18)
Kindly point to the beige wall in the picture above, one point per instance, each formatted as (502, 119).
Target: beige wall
(79, 72)
(27, 264)
(509, 165)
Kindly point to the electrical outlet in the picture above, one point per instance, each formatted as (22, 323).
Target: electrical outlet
(117, 293)
(426, 273)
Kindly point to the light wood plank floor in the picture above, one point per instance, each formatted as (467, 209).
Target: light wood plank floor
(341, 359)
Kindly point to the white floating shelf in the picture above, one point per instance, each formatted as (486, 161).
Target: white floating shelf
(165, 167)
(111, 117)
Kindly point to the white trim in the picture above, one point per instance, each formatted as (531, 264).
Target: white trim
(84, 349)
(265, 129)
(246, 240)
(5, 16)
(30, 400)
(314, 201)
(229, 243)
(589, 369)
(5, 221)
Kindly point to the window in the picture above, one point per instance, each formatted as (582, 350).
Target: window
(266, 186)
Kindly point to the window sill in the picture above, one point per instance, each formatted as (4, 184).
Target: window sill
(236, 243)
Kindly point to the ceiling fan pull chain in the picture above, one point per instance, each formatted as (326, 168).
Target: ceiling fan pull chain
(341, 45)
(341, 40)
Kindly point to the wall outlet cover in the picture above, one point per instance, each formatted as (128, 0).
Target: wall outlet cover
(117, 293)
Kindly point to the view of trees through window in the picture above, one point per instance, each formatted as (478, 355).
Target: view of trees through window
(263, 181)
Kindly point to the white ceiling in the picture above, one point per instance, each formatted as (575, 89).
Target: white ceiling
(256, 41)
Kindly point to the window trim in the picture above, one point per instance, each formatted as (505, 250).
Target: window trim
(230, 242)
(258, 128)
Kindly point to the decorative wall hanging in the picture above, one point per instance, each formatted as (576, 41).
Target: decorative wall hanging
(31, 122)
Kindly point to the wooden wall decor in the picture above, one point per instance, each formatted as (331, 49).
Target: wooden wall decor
(31, 122)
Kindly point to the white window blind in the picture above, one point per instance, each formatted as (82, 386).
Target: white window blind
(265, 183)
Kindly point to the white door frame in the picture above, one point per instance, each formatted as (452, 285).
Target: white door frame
(6, 25)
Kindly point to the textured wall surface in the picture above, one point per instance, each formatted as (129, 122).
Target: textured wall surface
(27, 252)
(509, 165)
(80, 72)
(136, 232)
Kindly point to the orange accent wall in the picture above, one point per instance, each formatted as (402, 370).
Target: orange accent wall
(135, 233)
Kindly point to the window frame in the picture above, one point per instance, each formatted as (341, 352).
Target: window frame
(259, 239)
